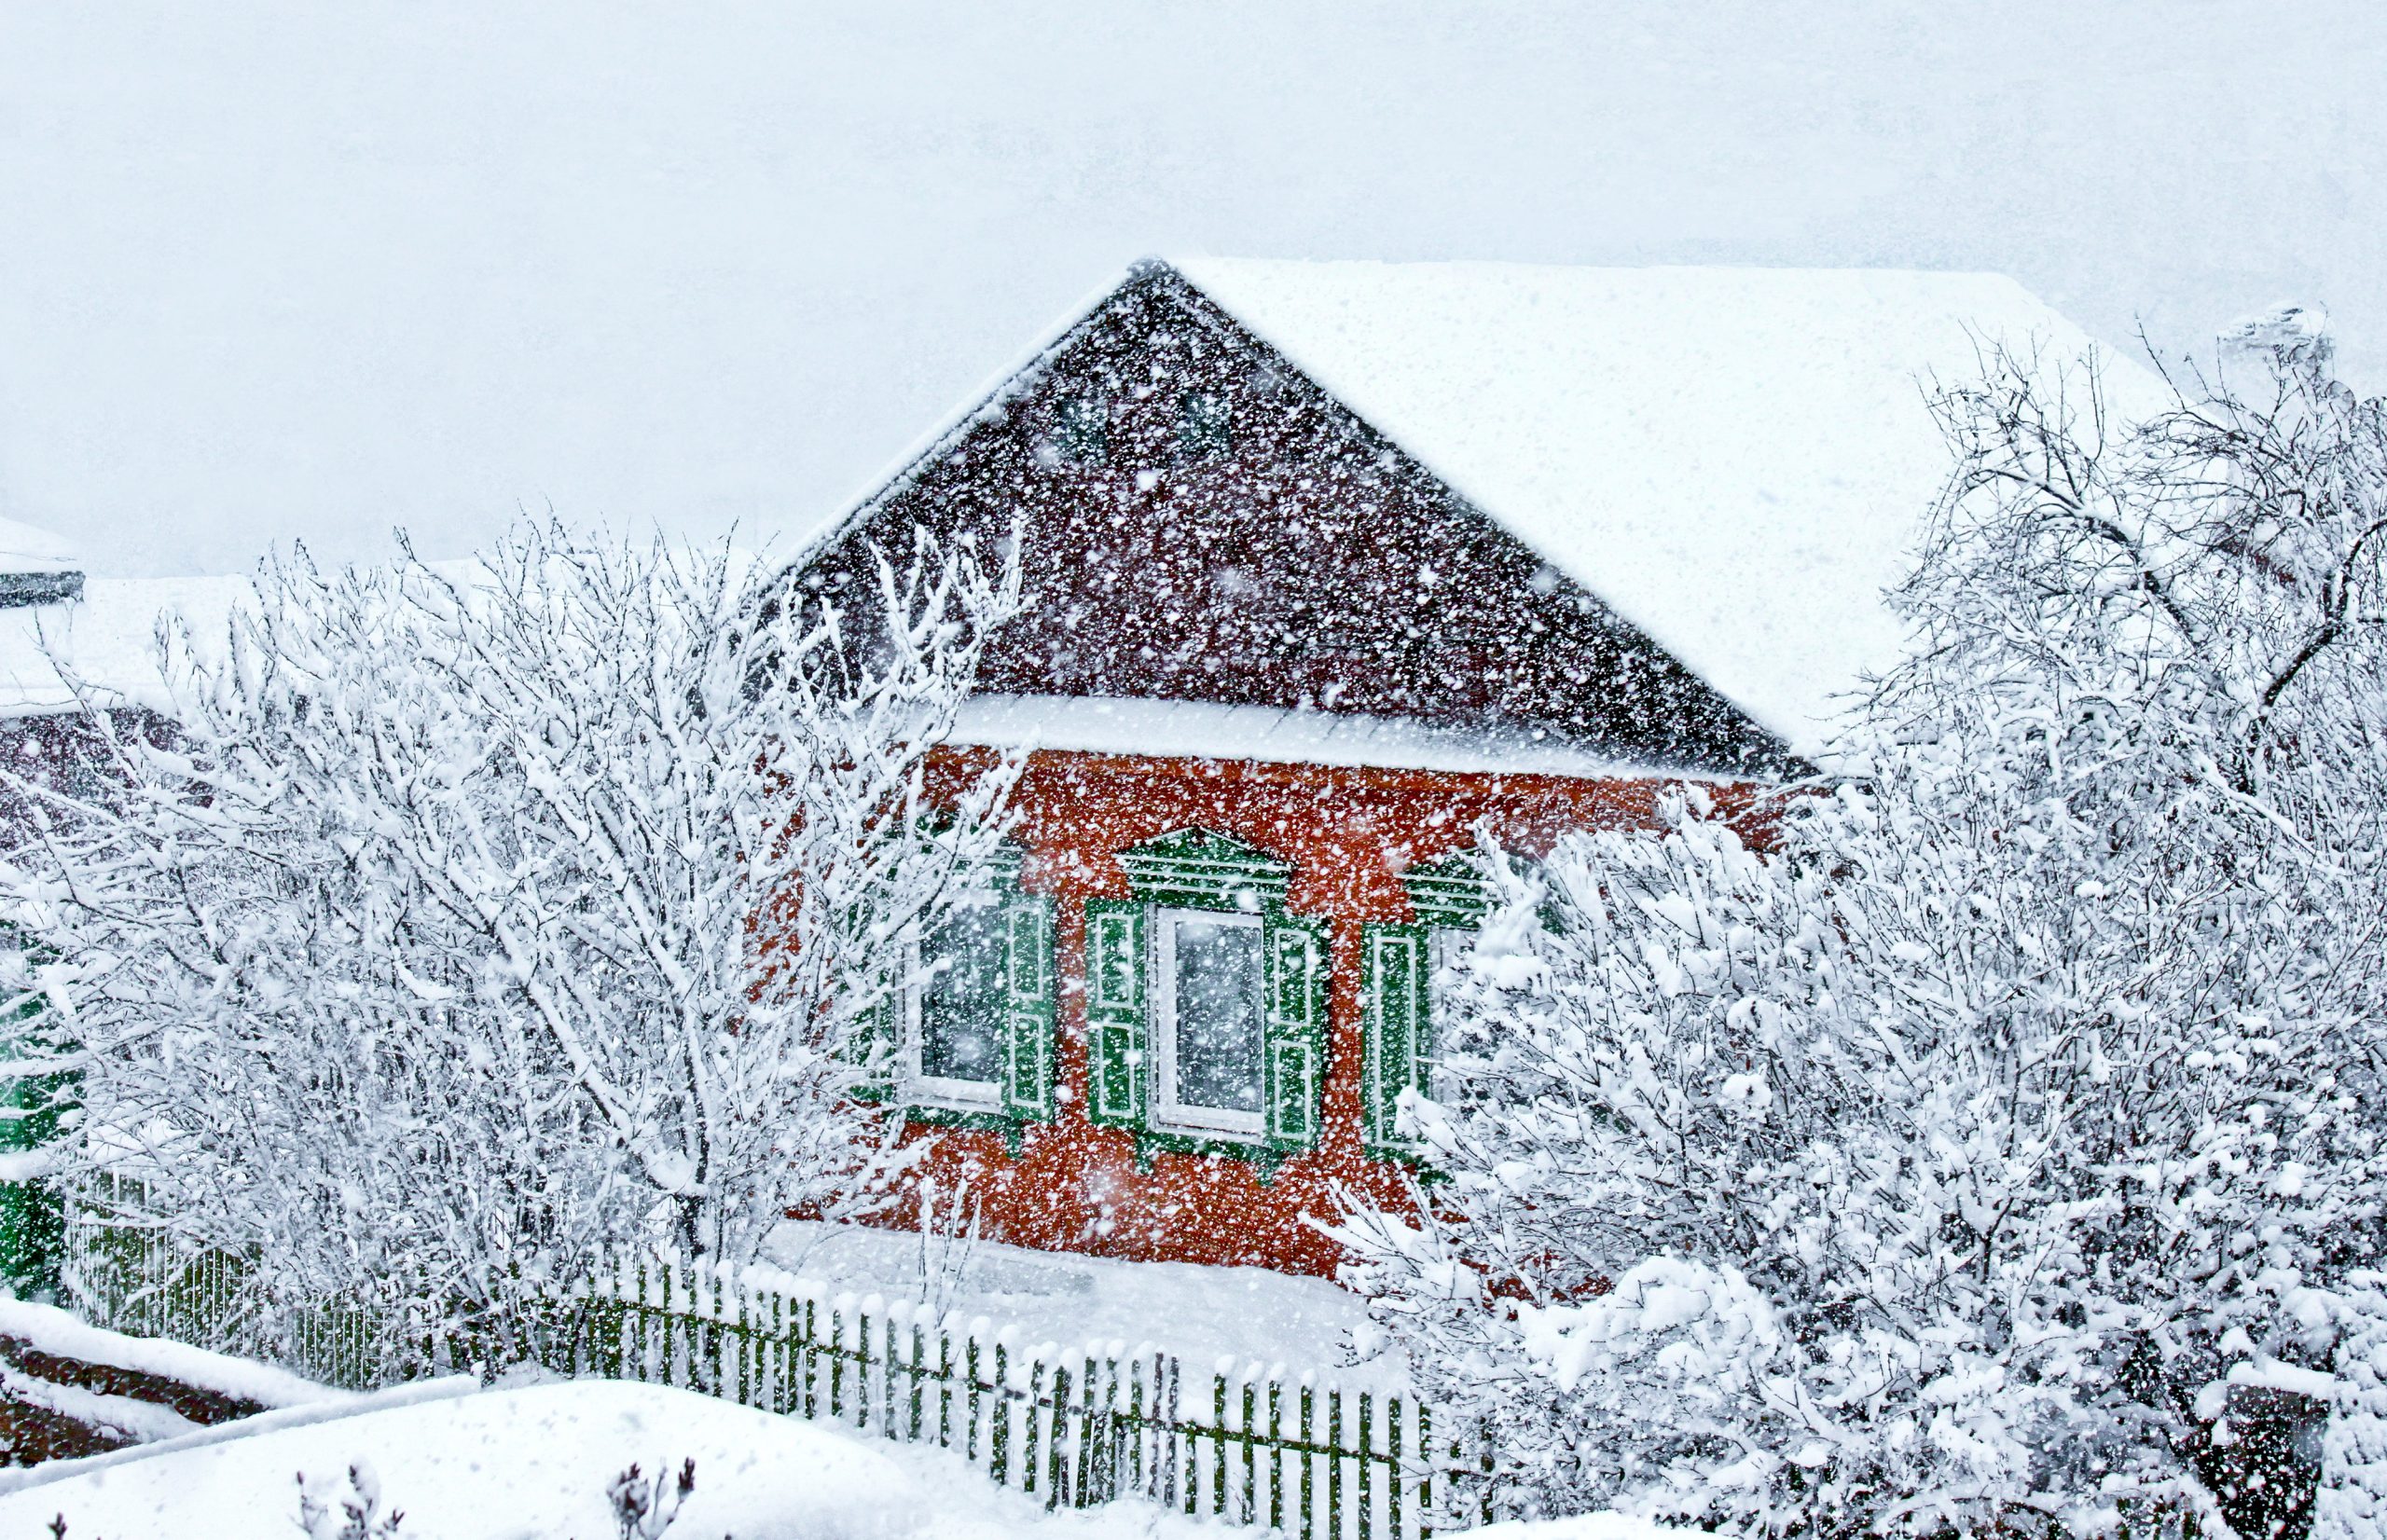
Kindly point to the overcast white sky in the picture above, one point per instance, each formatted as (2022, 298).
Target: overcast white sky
(313, 271)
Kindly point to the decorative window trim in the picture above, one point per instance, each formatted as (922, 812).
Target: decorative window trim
(1023, 1091)
(1451, 891)
(1397, 968)
(1198, 869)
(1395, 975)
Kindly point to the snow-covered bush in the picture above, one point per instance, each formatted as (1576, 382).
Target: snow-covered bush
(480, 919)
(1950, 1162)
(2353, 1501)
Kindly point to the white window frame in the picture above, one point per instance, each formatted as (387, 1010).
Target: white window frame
(940, 1089)
(1169, 1114)
(1446, 946)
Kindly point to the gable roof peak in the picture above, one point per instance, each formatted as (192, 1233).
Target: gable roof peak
(1737, 461)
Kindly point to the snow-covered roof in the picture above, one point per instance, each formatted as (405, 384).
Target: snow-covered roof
(26, 549)
(107, 638)
(1734, 460)
(1190, 729)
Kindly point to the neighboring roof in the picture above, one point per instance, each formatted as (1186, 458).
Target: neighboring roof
(1112, 724)
(26, 549)
(1735, 461)
(107, 638)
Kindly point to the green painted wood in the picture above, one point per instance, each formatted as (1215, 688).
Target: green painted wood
(1451, 891)
(1202, 868)
(1395, 1031)
(1293, 1068)
(1028, 1015)
(1118, 1026)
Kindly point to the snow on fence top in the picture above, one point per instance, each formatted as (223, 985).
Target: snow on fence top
(1736, 461)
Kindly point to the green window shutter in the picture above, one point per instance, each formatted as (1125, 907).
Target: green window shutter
(1294, 1072)
(1118, 1068)
(1027, 1014)
(1396, 967)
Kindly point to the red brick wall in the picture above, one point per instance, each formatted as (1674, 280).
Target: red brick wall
(1348, 833)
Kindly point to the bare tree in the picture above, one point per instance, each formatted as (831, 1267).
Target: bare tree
(1973, 1159)
(482, 919)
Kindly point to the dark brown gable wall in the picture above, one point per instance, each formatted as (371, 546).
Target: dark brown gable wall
(1203, 523)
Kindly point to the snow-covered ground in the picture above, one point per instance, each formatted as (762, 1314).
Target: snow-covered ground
(1203, 1315)
(56, 1331)
(534, 1463)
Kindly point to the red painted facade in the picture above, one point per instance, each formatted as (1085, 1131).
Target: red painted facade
(1199, 521)
(1071, 1185)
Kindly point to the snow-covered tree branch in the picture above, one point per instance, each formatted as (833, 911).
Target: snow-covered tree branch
(482, 917)
(1964, 1160)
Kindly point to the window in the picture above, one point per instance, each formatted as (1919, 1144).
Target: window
(1203, 424)
(957, 1006)
(1210, 1022)
(1206, 1002)
(1081, 430)
(969, 1030)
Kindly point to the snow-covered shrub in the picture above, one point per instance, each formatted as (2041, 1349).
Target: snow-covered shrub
(2353, 1499)
(357, 1514)
(1950, 1162)
(644, 1509)
(479, 920)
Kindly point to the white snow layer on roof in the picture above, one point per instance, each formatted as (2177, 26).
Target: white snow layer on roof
(26, 549)
(107, 638)
(1734, 460)
(1116, 724)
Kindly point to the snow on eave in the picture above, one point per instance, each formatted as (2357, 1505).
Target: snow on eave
(1214, 732)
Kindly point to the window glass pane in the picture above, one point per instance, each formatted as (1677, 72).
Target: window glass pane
(961, 1008)
(1220, 1021)
(1446, 954)
(1202, 423)
(1081, 430)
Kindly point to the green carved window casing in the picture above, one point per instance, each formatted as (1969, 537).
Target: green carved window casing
(1397, 965)
(1027, 1019)
(1294, 1073)
(1118, 1054)
(1200, 872)
(926, 1041)
(1396, 973)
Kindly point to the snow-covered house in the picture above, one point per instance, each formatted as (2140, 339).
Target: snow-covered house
(1333, 564)
(55, 623)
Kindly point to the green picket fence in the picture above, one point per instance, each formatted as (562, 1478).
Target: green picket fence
(137, 1281)
(1075, 1426)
